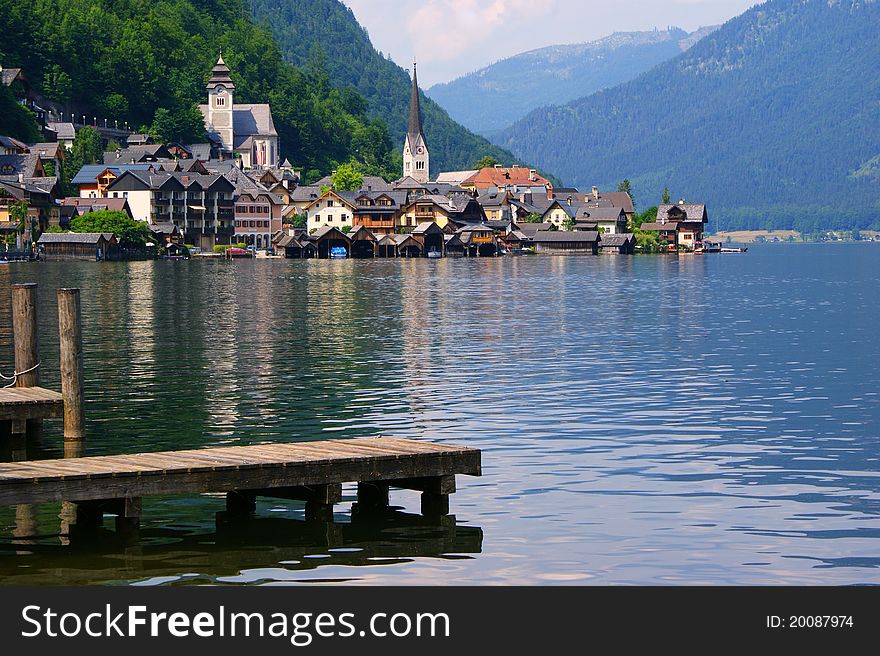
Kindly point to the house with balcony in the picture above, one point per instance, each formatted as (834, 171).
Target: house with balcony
(202, 206)
(379, 212)
(257, 218)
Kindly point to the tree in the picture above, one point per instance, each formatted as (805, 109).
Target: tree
(181, 126)
(129, 232)
(18, 212)
(666, 197)
(648, 216)
(568, 224)
(486, 162)
(299, 220)
(17, 121)
(626, 185)
(347, 177)
(533, 217)
(57, 85)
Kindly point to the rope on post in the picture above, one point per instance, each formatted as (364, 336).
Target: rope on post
(15, 375)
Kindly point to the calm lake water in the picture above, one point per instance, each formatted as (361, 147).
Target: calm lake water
(643, 420)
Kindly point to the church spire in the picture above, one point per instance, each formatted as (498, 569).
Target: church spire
(415, 110)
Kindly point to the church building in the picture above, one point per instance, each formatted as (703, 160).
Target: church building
(416, 161)
(239, 130)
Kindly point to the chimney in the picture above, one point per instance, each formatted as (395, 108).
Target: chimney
(533, 175)
(569, 200)
(681, 201)
(498, 166)
(595, 192)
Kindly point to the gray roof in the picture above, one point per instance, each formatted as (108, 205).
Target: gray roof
(305, 193)
(74, 237)
(249, 121)
(562, 236)
(531, 228)
(8, 75)
(63, 130)
(10, 142)
(599, 213)
(615, 240)
(89, 173)
(693, 211)
(200, 151)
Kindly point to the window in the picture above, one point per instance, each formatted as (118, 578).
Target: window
(420, 165)
(329, 202)
(220, 101)
(115, 194)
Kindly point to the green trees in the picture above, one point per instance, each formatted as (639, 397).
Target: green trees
(486, 162)
(666, 198)
(184, 126)
(347, 177)
(129, 232)
(15, 120)
(533, 217)
(626, 185)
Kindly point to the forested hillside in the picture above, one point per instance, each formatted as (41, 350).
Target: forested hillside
(493, 97)
(774, 120)
(326, 30)
(126, 59)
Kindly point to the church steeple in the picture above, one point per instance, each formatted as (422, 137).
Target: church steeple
(416, 160)
(221, 105)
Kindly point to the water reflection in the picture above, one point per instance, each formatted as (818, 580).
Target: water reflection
(643, 420)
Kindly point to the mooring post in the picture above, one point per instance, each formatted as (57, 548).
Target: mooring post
(27, 349)
(70, 334)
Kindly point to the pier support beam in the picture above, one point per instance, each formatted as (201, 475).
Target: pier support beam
(372, 496)
(70, 341)
(27, 349)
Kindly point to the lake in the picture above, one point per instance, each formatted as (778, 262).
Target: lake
(644, 420)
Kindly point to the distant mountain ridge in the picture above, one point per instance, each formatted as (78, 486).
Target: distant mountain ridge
(496, 96)
(306, 29)
(773, 120)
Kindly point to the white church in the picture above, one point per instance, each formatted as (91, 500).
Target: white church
(241, 131)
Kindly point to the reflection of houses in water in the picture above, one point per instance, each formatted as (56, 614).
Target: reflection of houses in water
(144, 343)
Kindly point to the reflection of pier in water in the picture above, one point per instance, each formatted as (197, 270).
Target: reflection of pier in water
(386, 538)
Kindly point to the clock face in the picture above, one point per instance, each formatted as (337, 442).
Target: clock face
(420, 150)
(221, 90)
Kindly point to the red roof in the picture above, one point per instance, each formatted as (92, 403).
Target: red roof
(500, 177)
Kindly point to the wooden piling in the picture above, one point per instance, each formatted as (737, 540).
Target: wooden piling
(70, 335)
(27, 349)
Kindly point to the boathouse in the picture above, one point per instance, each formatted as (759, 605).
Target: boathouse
(363, 243)
(408, 246)
(327, 238)
(78, 246)
(479, 240)
(617, 244)
(564, 242)
(431, 235)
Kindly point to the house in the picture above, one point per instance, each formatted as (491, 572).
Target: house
(559, 213)
(330, 209)
(166, 234)
(608, 220)
(407, 245)
(303, 196)
(12, 146)
(596, 198)
(77, 246)
(566, 243)
(38, 194)
(380, 212)
(515, 179)
(680, 225)
(243, 131)
(65, 133)
(257, 217)
(617, 244)
(92, 180)
(442, 210)
(203, 206)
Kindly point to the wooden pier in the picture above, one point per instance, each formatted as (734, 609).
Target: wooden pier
(308, 471)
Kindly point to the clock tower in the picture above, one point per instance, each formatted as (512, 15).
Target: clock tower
(220, 104)
(416, 161)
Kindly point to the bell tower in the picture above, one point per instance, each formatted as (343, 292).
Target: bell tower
(416, 160)
(221, 91)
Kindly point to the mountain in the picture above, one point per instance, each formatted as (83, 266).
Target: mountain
(326, 33)
(127, 59)
(773, 120)
(492, 98)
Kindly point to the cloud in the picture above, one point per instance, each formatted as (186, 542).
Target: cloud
(441, 30)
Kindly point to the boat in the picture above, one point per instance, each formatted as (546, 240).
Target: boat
(734, 250)
(433, 255)
(711, 246)
(338, 253)
(238, 253)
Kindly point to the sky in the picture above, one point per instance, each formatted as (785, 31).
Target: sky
(450, 38)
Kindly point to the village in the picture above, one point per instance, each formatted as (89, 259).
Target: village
(233, 197)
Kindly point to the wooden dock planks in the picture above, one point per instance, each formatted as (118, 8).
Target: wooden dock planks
(229, 469)
(22, 403)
